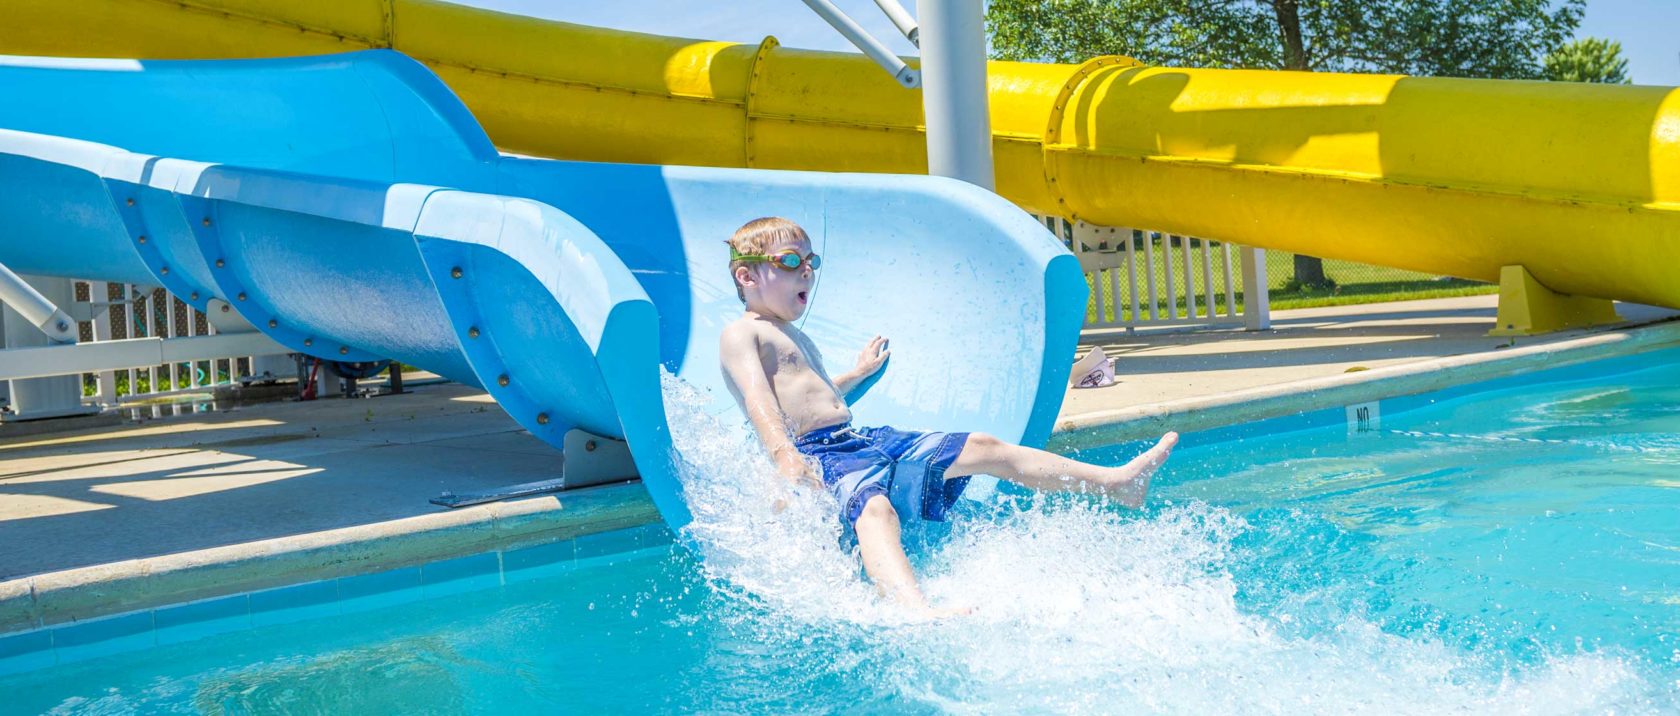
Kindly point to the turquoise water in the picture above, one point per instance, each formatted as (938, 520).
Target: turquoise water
(1512, 550)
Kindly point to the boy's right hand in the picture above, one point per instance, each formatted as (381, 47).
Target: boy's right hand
(791, 464)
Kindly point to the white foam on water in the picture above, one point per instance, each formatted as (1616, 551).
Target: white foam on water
(1078, 608)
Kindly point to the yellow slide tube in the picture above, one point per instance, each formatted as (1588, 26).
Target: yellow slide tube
(1578, 183)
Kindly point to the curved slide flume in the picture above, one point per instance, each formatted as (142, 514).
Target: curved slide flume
(1578, 183)
(371, 218)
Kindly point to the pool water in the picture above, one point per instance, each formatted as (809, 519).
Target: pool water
(1515, 549)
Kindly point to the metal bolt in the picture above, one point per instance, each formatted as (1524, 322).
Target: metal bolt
(241, 295)
(589, 446)
(142, 238)
(307, 342)
(195, 295)
(455, 272)
(163, 271)
(206, 221)
(131, 201)
(273, 323)
(63, 326)
(542, 418)
(502, 380)
(226, 308)
(472, 332)
(220, 263)
(344, 350)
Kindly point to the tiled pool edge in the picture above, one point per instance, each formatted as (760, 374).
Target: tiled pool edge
(54, 598)
(139, 630)
(1107, 427)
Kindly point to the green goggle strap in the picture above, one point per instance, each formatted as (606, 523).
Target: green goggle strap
(779, 258)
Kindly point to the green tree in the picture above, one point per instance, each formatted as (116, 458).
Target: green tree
(1588, 59)
(1509, 39)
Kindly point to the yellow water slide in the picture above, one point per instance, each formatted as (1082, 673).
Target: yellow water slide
(1579, 184)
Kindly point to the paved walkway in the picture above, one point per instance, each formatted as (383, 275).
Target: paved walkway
(259, 472)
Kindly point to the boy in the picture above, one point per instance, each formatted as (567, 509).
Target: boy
(801, 415)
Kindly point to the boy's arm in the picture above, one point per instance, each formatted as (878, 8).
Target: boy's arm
(739, 354)
(869, 362)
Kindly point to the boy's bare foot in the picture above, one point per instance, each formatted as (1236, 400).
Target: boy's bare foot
(1129, 483)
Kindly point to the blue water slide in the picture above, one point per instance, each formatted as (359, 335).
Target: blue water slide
(351, 208)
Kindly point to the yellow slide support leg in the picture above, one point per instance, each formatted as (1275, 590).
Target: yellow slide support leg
(1528, 308)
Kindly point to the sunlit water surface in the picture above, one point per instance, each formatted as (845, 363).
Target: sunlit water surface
(1512, 551)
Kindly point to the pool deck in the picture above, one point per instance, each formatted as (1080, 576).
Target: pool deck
(1317, 358)
(109, 519)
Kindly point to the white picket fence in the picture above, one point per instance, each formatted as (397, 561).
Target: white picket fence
(1142, 278)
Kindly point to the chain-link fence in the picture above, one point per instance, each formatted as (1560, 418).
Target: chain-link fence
(1351, 283)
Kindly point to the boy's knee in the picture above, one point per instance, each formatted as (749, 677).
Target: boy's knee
(878, 509)
(983, 442)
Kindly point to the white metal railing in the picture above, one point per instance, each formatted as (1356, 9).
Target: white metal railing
(1142, 278)
(136, 343)
(149, 312)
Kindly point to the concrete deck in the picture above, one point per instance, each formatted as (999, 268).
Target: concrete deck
(1192, 380)
(307, 488)
(112, 519)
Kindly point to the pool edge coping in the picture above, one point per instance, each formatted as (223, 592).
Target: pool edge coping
(1149, 420)
(61, 597)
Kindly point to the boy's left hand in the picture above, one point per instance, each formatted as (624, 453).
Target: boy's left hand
(873, 357)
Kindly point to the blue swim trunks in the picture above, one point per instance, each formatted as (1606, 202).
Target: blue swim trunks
(906, 466)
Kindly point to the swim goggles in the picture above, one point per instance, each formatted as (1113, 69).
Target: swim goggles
(788, 260)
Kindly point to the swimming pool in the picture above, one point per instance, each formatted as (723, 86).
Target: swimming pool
(1507, 546)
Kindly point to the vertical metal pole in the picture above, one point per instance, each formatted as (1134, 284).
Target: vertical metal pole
(1230, 282)
(130, 305)
(1208, 296)
(1167, 270)
(1149, 274)
(959, 128)
(100, 292)
(41, 397)
(1257, 308)
(1189, 278)
(1131, 278)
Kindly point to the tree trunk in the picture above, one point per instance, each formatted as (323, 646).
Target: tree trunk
(1309, 270)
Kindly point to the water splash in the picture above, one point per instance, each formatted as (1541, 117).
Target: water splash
(1078, 607)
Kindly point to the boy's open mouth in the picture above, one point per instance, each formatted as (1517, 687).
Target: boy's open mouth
(804, 296)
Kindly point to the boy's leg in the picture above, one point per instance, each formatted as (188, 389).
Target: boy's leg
(1040, 470)
(881, 541)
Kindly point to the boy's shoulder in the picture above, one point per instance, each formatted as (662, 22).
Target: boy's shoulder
(746, 328)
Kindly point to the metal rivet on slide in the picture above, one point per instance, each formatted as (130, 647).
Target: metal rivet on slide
(131, 201)
(542, 418)
(307, 342)
(273, 323)
(455, 272)
(163, 271)
(344, 350)
(226, 308)
(195, 295)
(142, 239)
(206, 221)
(220, 263)
(589, 446)
(502, 380)
(241, 295)
(472, 332)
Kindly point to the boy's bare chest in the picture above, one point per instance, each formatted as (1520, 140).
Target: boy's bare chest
(787, 357)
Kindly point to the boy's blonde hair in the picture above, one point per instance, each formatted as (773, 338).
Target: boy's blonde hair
(755, 239)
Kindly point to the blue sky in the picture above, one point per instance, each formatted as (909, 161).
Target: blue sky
(1649, 30)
